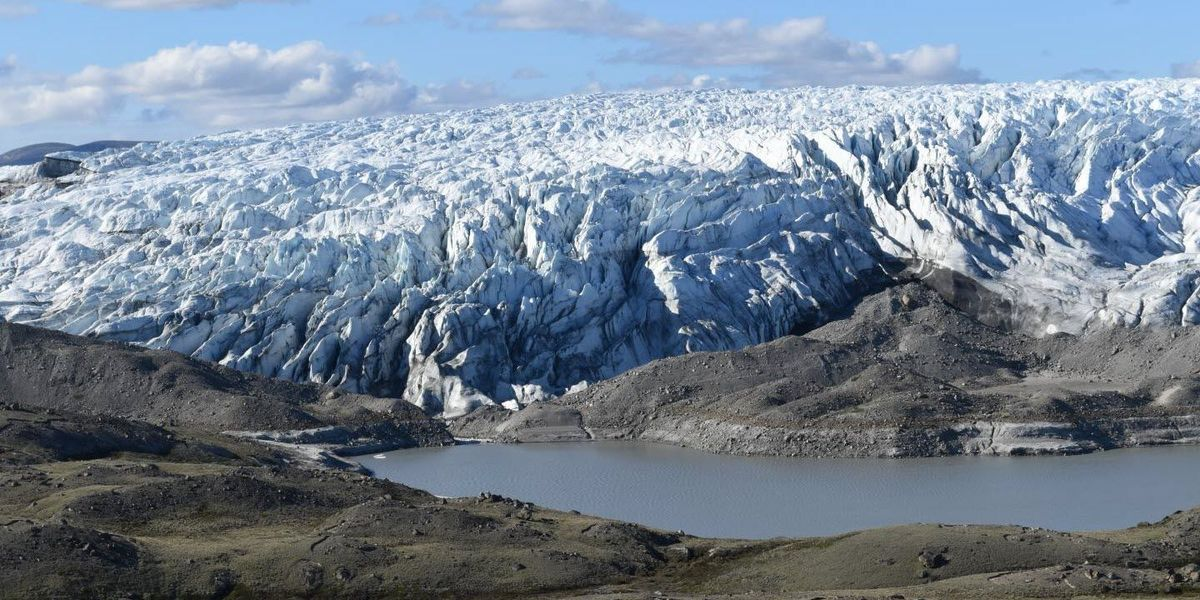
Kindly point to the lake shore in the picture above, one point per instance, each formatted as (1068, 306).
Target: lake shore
(119, 476)
(150, 511)
(834, 438)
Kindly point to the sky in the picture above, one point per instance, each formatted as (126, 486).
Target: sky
(79, 70)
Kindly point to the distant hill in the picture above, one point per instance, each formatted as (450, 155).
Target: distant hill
(28, 155)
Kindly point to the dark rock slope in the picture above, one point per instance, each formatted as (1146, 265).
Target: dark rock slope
(904, 374)
(54, 370)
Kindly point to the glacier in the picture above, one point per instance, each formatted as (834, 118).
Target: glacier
(509, 254)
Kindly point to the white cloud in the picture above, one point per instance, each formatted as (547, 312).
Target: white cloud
(434, 11)
(242, 84)
(456, 94)
(596, 17)
(791, 52)
(527, 73)
(427, 11)
(40, 99)
(39, 102)
(1191, 69)
(235, 85)
(171, 4)
(11, 10)
(659, 83)
(1097, 74)
(384, 20)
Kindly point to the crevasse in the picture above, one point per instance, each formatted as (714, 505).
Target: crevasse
(507, 254)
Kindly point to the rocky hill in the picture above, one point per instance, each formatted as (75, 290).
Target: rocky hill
(904, 374)
(53, 370)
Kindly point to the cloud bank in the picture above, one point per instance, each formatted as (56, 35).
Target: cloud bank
(236, 85)
(172, 4)
(12, 10)
(1191, 69)
(791, 52)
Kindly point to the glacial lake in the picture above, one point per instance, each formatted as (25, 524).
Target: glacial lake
(759, 497)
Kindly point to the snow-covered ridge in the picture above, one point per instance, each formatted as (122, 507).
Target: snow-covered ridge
(508, 253)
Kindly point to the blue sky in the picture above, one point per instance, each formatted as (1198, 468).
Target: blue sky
(77, 70)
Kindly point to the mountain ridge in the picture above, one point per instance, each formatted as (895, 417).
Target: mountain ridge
(34, 153)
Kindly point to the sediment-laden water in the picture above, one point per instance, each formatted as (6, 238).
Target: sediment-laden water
(755, 497)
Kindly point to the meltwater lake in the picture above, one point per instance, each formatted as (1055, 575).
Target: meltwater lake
(759, 497)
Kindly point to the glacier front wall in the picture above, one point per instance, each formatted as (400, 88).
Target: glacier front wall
(506, 254)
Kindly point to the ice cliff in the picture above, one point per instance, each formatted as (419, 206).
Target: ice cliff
(508, 253)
